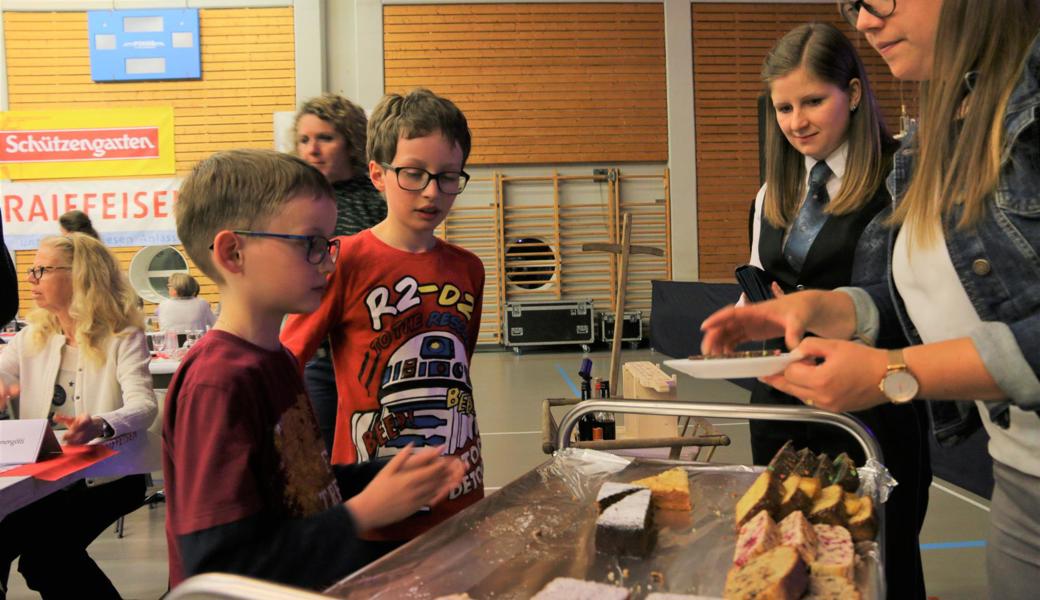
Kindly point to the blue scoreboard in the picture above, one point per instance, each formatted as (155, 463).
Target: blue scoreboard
(129, 45)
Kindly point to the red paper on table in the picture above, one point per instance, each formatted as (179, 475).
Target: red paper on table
(72, 459)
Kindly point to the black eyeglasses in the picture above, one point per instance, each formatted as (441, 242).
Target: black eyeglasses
(879, 8)
(36, 273)
(318, 247)
(415, 179)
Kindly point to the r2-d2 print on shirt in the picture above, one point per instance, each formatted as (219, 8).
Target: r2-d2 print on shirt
(425, 398)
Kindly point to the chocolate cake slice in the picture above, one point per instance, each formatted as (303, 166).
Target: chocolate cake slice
(626, 527)
(845, 473)
(784, 461)
(806, 464)
(612, 491)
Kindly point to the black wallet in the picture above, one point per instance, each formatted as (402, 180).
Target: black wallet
(756, 283)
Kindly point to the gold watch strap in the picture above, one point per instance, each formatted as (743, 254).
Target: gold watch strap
(896, 362)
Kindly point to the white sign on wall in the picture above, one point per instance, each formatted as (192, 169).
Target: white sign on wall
(126, 212)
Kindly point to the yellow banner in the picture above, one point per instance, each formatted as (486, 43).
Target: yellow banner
(94, 142)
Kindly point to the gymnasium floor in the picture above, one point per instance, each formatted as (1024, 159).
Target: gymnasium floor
(509, 390)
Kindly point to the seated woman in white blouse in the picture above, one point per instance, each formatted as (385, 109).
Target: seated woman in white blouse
(83, 363)
(184, 311)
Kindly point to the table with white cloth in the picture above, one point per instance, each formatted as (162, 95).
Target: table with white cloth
(162, 369)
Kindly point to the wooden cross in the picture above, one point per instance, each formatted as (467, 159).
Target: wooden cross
(622, 250)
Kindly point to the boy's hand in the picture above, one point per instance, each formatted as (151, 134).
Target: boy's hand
(407, 483)
(7, 391)
(81, 429)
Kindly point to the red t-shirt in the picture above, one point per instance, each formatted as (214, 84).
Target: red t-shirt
(402, 327)
(239, 438)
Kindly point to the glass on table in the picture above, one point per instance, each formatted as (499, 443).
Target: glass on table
(193, 336)
(156, 341)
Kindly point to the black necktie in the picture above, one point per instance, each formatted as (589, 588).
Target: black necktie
(810, 217)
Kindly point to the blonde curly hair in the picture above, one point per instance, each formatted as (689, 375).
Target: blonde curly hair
(349, 120)
(103, 302)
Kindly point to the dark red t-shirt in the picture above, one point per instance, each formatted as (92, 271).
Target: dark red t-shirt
(239, 438)
(402, 327)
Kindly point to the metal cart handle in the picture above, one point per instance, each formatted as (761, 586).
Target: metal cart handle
(764, 412)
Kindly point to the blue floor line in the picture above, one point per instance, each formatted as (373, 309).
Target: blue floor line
(954, 545)
(569, 381)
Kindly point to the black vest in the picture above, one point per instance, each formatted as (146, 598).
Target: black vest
(829, 262)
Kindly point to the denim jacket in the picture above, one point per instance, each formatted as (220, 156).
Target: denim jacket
(997, 261)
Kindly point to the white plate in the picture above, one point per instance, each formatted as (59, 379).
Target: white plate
(733, 368)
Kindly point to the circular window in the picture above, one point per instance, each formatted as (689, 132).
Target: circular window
(530, 263)
(151, 268)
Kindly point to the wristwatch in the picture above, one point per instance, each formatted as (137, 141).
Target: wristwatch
(898, 384)
(106, 430)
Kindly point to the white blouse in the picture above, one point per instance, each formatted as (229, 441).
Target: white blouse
(941, 310)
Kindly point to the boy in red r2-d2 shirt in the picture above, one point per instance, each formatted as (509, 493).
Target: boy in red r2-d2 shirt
(402, 310)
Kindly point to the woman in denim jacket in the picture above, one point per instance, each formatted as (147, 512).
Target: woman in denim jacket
(963, 259)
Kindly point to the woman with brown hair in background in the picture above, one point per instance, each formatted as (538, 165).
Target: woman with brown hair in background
(330, 134)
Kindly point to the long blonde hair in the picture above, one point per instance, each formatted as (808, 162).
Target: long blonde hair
(103, 303)
(828, 56)
(961, 165)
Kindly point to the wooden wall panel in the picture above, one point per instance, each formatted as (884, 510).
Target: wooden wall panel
(566, 222)
(248, 73)
(729, 43)
(474, 226)
(539, 83)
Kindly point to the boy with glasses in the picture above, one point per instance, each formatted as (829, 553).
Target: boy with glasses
(402, 310)
(248, 484)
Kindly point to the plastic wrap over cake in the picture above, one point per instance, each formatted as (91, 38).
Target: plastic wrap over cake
(542, 526)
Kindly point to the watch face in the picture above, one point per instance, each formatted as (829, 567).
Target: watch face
(900, 386)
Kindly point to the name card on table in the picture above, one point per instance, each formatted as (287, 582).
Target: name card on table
(25, 441)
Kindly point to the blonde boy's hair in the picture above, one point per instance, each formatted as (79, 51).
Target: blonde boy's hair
(238, 189)
(103, 302)
(184, 284)
(415, 115)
